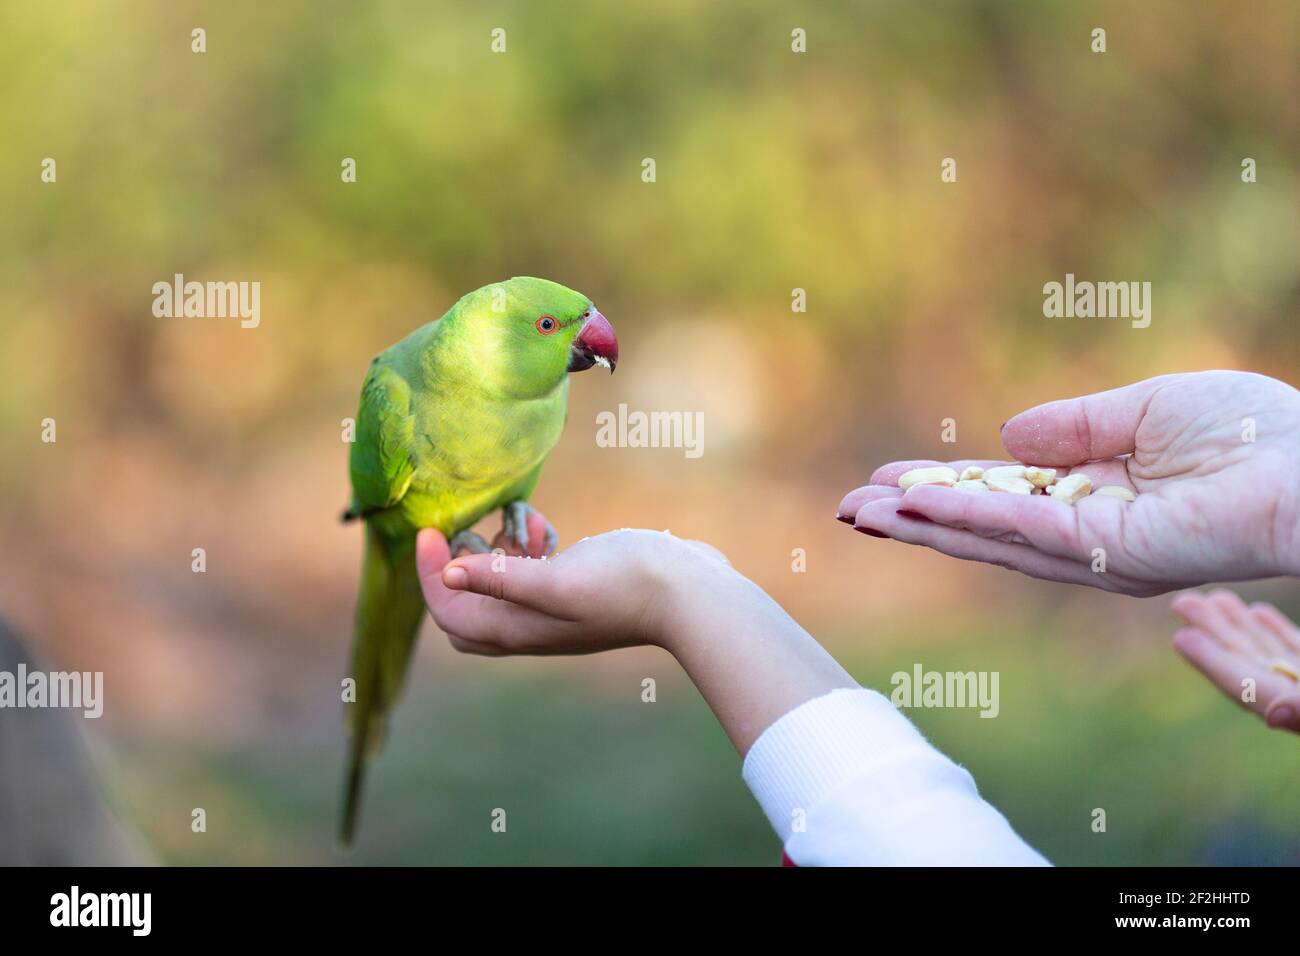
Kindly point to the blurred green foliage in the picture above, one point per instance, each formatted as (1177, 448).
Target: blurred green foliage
(775, 171)
(594, 775)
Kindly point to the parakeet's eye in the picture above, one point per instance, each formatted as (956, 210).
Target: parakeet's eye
(546, 324)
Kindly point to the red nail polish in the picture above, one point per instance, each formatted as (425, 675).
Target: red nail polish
(847, 519)
(871, 531)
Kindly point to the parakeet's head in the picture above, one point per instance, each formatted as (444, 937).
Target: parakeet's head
(525, 334)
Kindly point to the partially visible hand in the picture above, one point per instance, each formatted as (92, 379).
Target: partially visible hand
(1231, 643)
(1214, 458)
(613, 590)
(748, 658)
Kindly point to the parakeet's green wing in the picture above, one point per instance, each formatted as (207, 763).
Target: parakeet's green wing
(390, 606)
(381, 461)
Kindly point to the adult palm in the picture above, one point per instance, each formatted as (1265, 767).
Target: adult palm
(1213, 457)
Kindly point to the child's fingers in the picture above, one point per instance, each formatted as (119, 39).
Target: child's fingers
(524, 581)
(480, 620)
(478, 624)
(1284, 713)
(1188, 604)
(1209, 618)
(706, 548)
(1274, 621)
(480, 648)
(1224, 667)
(1185, 604)
(536, 524)
(883, 517)
(431, 551)
(537, 534)
(1238, 616)
(1229, 671)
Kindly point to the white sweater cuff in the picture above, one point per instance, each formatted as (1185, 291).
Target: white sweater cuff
(818, 747)
(846, 780)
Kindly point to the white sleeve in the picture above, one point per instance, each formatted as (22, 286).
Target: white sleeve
(846, 780)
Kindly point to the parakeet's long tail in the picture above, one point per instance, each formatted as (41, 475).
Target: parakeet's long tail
(389, 611)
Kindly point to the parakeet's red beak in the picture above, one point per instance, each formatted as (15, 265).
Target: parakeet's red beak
(596, 344)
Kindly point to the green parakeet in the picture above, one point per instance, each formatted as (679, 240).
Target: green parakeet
(456, 420)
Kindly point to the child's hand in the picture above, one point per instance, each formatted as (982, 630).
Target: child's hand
(613, 590)
(749, 659)
(1228, 642)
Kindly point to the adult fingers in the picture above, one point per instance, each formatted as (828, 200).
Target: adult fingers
(883, 517)
(855, 499)
(1048, 525)
(1074, 430)
(1112, 471)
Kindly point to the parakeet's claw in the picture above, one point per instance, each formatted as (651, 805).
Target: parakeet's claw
(514, 528)
(514, 522)
(469, 543)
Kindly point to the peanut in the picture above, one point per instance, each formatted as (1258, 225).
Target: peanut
(1004, 471)
(1040, 477)
(1115, 491)
(1071, 488)
(1013, 479)
(1285, 668)
(938, 475)
(1013, 484)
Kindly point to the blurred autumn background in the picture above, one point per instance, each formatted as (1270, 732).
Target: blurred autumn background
(776, 171)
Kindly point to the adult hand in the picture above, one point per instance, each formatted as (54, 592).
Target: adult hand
(1214, 458)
